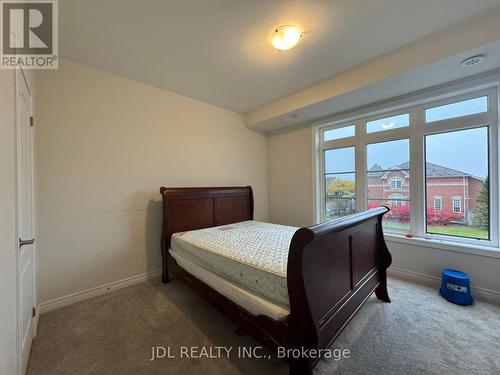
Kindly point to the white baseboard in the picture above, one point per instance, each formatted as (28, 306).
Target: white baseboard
(481, 293)
(94, 292)
(433, 281)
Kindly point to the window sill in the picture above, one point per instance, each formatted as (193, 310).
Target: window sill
(487, 251)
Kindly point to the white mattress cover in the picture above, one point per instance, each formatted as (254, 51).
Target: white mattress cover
(251, 254)
(249, 301)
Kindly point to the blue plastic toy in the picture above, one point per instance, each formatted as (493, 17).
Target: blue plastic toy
(455, 287)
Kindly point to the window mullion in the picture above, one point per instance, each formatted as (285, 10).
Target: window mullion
(494, 141)
(465, 122)
(361, 187)
(320, 216)
(339, 143)
(417, 164)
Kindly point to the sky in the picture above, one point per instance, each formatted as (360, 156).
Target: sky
(463, 150)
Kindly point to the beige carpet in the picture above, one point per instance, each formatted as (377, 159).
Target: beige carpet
(419, 333)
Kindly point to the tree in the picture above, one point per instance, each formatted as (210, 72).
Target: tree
(340, 195)
(340, 187)
(483, 209)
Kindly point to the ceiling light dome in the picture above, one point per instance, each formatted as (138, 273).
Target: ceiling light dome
(286, 37)
(473, 60)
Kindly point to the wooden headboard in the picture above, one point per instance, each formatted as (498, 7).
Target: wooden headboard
(203, 207)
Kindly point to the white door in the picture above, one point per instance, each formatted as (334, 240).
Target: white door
(25, 220)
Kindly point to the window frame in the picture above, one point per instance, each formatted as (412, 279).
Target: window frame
(453, 200)
(416, 105)
(399, 199)
(323, 173)
(323, 134)
(394, 179)
(440, 199)
(384, 116)
(453, 102)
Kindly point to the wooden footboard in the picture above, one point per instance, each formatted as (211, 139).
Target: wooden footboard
(332, 270)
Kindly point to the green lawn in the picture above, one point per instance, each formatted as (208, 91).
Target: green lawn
(459, 230)
(450, 230)
(396, 225)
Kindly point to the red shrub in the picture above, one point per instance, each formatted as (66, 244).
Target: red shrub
(401, 213)
(397, 213)
(439, 217)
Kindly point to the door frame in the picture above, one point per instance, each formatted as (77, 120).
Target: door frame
(21, 79)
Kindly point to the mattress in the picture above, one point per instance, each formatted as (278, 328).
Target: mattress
(251, 302)
(251, 254)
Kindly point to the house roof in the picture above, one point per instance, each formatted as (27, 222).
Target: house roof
(432, 170)
(435, 170)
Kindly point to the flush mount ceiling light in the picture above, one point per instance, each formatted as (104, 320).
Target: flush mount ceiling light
(473, 60)
(286, 37)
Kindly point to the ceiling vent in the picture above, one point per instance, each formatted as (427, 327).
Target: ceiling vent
(473, 60)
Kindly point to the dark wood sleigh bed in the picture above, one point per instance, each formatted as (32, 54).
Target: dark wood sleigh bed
(332, 268)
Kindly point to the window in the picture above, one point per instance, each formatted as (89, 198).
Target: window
(388, 163)
(433, 162)
(388, 123)
(340, 182)
(457, 169)
(396, 200)
(396, 184)
(339, 133)
(438, 203)
(457, 205)
(457, 109)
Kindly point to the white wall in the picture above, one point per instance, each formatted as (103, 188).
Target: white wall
(8, 248)
(421, 260)
(105, 146)
(290, 170)
(291, 202)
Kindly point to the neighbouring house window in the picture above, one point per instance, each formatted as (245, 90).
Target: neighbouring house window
(339, 182)
(433, 163)
(437, 203)
(396, 184)
(457, 205)
(396, 200)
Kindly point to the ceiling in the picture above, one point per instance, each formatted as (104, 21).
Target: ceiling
(217, 51)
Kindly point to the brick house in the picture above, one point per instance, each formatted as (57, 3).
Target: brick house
(449, 191)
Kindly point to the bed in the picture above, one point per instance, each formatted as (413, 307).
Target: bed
(293, 288)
